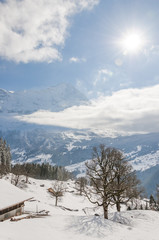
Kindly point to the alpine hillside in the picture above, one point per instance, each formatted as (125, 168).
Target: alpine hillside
(69, 147)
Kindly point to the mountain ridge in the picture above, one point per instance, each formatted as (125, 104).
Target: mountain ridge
(65, 146)
(52, 98)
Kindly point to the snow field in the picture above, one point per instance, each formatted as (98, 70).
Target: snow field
(62, 224)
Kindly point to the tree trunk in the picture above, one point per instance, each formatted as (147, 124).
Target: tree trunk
(26, 179)
(56, 201)
(105, 208)
(118, 206)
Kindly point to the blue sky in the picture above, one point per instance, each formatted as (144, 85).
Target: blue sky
(108, 49)
(89, 40)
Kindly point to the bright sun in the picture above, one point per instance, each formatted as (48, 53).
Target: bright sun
(132, 42)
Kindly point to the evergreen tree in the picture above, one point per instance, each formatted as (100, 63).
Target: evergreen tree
(157, 193)
(5, 157)
(41, 171)
(152, 202)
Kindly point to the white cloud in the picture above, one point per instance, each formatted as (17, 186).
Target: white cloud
(33, 30)
(151, 51)
(106, 72)
(129, 110)
(103, 75)
(77, 60)
(154, 50)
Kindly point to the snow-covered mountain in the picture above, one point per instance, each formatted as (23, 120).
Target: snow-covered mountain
(72, 148)
(68, 147)
(28, 101)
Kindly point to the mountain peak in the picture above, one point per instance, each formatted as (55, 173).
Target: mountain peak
(55, 99)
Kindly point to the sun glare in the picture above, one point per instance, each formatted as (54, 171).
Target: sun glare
(132, 42)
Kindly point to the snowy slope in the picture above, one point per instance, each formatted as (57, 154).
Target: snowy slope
(72, 148)
(77, 225)
(146, 161)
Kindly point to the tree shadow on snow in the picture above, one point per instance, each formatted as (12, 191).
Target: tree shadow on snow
(94, 226)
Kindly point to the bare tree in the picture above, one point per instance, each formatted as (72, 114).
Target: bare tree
(57, 190)
(101, 176)
(112, 178)
(125, 185)
(16, 174)
(80, 184)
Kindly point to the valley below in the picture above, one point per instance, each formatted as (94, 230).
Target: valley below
(65, 146)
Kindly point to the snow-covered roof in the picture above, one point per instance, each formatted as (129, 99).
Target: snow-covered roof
(11, 195)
